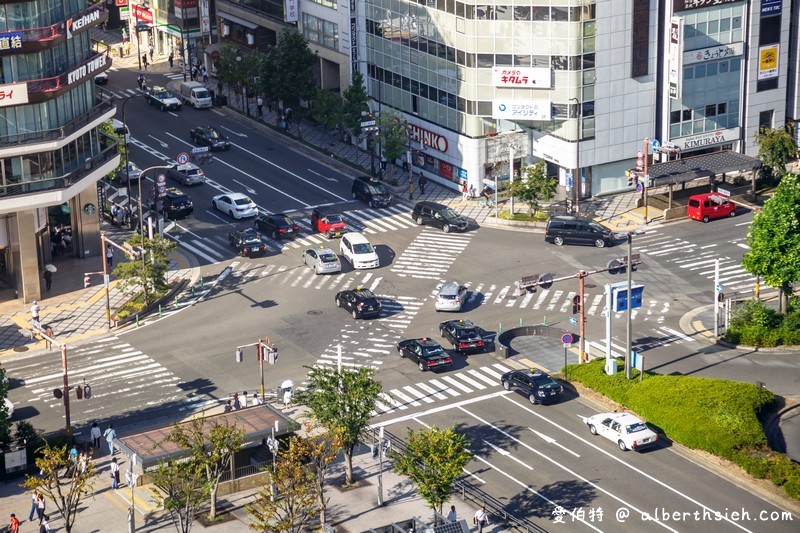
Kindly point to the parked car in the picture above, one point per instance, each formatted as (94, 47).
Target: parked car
(322, 260)
(577, 230)
(439, 216)
(428, 354)
(463, 335)
(362, 303)
(247, 242)
(330, 225)
(371, 191)
(629, 432)
(534, 384)
(235, 204)
(708, 206)
(209, 136)
(356, 248)
(276, 225)
(128, 171)
(187, 174)
(450, 297)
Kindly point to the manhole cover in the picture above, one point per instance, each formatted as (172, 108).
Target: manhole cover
(21, 349)
(315, 312)
(589, 286)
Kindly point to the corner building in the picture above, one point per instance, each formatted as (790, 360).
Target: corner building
(577, 83)
(52, 152)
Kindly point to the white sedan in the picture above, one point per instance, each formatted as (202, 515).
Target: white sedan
(626, 430)
(235, 204)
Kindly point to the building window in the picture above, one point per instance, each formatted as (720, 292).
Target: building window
(320, 31)
(327, 3)
(765, 120)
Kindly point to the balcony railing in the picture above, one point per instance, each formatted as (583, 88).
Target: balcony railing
(59, 29)
(62, 182)
(104, 105)
(44, 86)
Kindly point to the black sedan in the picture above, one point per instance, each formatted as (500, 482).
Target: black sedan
(428, 354)
(536, 384)
(276, 225)
(463, 335)
(209, 136)
(362, 303)
(248, 242)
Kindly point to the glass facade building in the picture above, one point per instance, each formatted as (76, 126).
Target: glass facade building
(52, 151)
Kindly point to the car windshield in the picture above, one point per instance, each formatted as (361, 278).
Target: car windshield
(214, 134)
(194, 172)
(363, 248)
(163, 94)
(283, 221)
(328, 258)
(633, 428)
(449, 214)
(334, 219)
(597, 227)
(378, 188)
(243, 201)
(202, 93)
(429, 351)
(250, 239)
(466, 333)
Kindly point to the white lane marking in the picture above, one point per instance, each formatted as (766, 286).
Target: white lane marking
(551, 440)
(324, 177)
(506, 453)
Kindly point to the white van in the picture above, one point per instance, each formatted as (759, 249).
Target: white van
(356, 248)
(121, 129)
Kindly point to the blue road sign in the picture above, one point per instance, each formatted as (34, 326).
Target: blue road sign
(573, 320)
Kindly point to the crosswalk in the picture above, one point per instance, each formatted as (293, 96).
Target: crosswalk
(431, 253)
(700, 260)
(216, 248)
(115, 370)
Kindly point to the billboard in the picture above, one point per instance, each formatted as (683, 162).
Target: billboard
(675, 76)
(521, 109)
(768, 62)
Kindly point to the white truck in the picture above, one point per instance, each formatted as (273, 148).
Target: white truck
(195, 94)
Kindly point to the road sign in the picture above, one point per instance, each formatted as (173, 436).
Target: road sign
(162, 190)
(639, 154)
(719, 287)
(573, 320)
(183, 158)
(567, 338)
(161, 179)
(639, 162)
(639, 186)
(655, 144)
(200, 150)
(368, 123)
(723, 192)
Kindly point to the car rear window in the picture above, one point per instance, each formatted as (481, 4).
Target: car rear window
(328, 258)
(243, 201)
(447, 296)
(694, 203)
(363, 248)
(432, 350)
(466, 333)
(633, 428)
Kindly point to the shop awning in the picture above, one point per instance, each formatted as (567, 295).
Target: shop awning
(700, 166)
(237, 20)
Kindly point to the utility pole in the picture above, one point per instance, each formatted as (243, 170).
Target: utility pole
(628, 316)
(582, 316)
(644, 194)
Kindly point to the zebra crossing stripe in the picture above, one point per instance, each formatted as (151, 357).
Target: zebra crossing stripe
(431, 391)
(469, 381)
(419, 395)
(442, 387)
(405, 398)
(482, 377)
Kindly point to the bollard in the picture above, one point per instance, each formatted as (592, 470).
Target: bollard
(137, 320)
(545, 320)
(159, 310)
(202, 283)
(520, 322)
(192, 291)
(500, 329)
(177, 304)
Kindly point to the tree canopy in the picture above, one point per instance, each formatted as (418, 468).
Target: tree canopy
(355, 103)
(343, 401)
(776, 147)
(287, 72)
(774, 239)
(535, 186)
(150, 274)
(433, 459)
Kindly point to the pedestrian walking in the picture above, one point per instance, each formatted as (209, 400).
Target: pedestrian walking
(260, 106)
(151, 53)
(13, 525)
(243, 399)
(287, 397)
(194, 73)
(110, 435)
(421, 183)
(127, 49)
(471, 191)
(114, 209)
(256, 399)
(126, 216)
(95, 434)
(73, 459)
(464, 192)
(40, 507)
(144, 61)
(34, 505)
(205, 75)
(228, 407)
(451, 516)
(236, 403)
(48, 279)
(44, 524)
(481, 518)
(405, 164)
(140, 81)
(114, 474)
(171, 59)
(83, 461)
(35, 311)
(120, 216)
(49, 334)
(109, 256)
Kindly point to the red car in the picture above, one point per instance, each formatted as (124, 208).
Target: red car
(329, 224)
(710, 205)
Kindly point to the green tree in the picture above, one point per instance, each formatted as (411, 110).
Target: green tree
(776, 147)
(393, 134)
(185, 488)
(150, 275)
(107, 127)
(5, 420)
(294, 481)
(66, 493)
(320, 449)
(355, 103)
(327, 108)
(534, 187)
(342, 400)
(774, 240)
(211, 444)
(287, 72)
(433, 459)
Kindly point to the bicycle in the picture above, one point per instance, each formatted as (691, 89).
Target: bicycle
(486, 202)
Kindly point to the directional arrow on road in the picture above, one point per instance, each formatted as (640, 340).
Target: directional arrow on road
(551, 440)
(235, 132)
(159, 141)
(249, 190)
(506, 453)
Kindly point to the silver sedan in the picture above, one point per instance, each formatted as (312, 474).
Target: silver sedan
(322, 260)
(450, 297)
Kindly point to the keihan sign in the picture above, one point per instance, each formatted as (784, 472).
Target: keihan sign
(76, 25)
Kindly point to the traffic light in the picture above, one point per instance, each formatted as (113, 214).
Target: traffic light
(79, 392)
(239, 355)
(576, 305)
(633, 178)
(272, 353)
(87, 391)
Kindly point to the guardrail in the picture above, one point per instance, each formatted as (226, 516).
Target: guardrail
(467, 492)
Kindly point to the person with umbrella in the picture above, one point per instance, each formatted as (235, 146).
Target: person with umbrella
(48, 275)
(287, 392)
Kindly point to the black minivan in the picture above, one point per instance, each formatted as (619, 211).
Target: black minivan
(438, 215)
(577, 230)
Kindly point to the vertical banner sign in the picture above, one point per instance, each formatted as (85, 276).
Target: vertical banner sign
(292, 12)
(675, 57)
(768, 62)
(353, 38)
(205, 20)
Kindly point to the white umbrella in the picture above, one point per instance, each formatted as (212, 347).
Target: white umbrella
(287, 384)
(50, 268)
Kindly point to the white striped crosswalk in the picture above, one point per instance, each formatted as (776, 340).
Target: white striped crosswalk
(431, 253)
(443, 387)
(116, 372)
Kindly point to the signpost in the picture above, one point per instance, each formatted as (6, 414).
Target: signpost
(183, 158)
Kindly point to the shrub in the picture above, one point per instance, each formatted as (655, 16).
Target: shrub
(754, 463)
(792, 486)
(756, 313)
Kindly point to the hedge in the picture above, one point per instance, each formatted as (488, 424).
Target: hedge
(714, 415)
